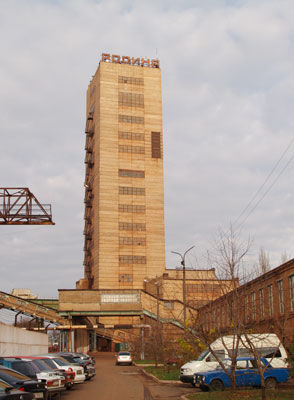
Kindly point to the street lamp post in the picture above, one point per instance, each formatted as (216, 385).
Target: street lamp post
(184, 279)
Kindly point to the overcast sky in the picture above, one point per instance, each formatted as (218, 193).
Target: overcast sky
(228, 94)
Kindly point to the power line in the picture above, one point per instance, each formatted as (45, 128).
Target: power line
(266, 192)
(263, 185)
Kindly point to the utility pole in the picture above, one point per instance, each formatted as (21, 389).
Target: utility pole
(184, 280)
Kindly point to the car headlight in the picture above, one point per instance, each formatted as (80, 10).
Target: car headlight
(186, 370)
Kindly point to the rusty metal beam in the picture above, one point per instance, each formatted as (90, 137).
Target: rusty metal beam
(29, 308)
(18, 206)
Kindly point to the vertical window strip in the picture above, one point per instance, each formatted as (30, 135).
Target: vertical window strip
(253, 305)
(281, 296)
(261, 303)
(291, 286)
(155, 145)
(270, 300)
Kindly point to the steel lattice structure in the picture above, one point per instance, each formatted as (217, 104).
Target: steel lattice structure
(18, 206)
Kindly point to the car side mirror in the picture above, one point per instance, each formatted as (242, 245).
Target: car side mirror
(208, 359)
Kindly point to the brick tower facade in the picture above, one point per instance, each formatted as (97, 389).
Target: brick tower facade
(124, 202)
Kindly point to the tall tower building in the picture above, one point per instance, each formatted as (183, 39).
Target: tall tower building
(124, 202)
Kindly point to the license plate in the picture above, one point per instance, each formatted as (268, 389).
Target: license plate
(38, 395)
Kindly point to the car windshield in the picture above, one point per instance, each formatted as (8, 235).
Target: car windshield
(41, 365)
(203, 355)
(60, 362)
(124, 353)
(11, 376)
(3, 385)
(49, 362)
(25, 367)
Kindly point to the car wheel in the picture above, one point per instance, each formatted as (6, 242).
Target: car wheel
(216, 384)
(270, 383)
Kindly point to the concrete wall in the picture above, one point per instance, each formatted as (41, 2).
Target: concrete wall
(17, 341)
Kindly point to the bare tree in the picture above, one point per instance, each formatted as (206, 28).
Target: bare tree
(263, 261)
(229, 260)
(234, 313)
(285, 257)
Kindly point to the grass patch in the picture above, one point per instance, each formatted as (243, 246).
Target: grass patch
(162, 373)
(250, 394)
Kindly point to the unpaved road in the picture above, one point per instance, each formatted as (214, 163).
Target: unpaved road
(123, 383)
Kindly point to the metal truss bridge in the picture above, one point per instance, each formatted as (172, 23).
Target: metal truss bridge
(18, 206)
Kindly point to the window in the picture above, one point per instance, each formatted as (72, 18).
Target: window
(131, 99)
(133, 241)
(131, 119)
(253, 305)
(127, 226)
(155, 145)
(246, 308)
(131, 173)
(130, 259)
(126, 278)
(131, 208)
(220, 354)
(131, 135)
(270, 300)
(291, 285)
(131, 80)
(131, 149)
(241, 364)
(261, 303)
(132, 190)
(281, 296)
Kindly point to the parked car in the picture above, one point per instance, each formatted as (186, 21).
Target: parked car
(246, 375)
(68, 375)
(73, 358)
(268, 346)
(63, 364)
(23, 383)
(7, 392)
(124, 357)
(27, 367)
(86, 357)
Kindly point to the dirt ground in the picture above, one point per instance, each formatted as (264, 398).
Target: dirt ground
(123, 383)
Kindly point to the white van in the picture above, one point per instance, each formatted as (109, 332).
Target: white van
(267, 345)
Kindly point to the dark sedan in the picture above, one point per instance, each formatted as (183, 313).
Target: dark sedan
(7, 392)
(22, 382)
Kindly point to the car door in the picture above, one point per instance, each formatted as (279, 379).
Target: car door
(240, 371)
(253, 377)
